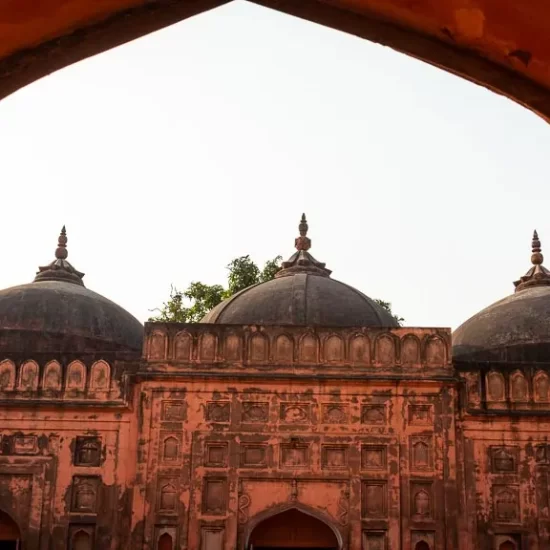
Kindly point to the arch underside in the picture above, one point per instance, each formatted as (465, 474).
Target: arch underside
(290, 528)
(503, 48)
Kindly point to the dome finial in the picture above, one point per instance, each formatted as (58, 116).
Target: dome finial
(302, 261)
(303, 242)
(60, 269)
(536, 258)
(538, 275)
(61, 252)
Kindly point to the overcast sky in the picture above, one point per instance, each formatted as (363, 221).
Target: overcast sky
(171, 155)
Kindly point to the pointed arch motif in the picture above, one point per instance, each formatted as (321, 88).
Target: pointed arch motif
(7, 375)
(28, 376)
(183, 346)
(496, 390)
(519, 389)
(208, 344)
(410, 350)
(541, 387)
(52, 377)
(157, 345)
(81, 540)
(258, 348)
(284, 349)
(435, 351)
(309, 348)
(100, 376)
(359, 350)
(333, 349)
(385, 352)
(165, 542)
(76, 376)
(233, 348)
(299, 507)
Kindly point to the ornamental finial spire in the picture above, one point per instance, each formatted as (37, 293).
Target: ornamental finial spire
(303, 242)
(61, 252)
(60, 269)
(302, 261)
(537, 275)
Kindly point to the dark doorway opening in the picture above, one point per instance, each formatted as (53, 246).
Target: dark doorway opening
(293, 530)
(9, 533)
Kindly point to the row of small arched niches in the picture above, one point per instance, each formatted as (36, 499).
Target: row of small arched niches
(386, 348)
(519, 389)
(29, 376)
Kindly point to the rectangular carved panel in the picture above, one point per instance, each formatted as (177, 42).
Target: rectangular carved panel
(25, 444)
(218, 411)
(294, 455)
(421, 449)
(506, 504)
(167, 495)
(421, 498)
(335, 413)
(85, 494)
(504, 459)
(334, 456)
(373, 457)
(173, 411)
(87, 451)
(253, 456)
(216, 454)
(374, 499)
(373, 414)
(212, 538)
(296, 413)
(214, 496)
(253, 412)
(421, 415)
(374, 540)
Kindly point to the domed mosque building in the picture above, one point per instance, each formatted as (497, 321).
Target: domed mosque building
(297, 414)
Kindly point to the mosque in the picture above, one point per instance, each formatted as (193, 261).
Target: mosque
(296, 415)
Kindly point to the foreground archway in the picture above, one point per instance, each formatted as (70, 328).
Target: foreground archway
(503, 48)
(10, 535)
(293, 529)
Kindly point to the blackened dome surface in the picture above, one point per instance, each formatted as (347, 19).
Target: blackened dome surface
(64, 317)
(516, 328)
(301, 299)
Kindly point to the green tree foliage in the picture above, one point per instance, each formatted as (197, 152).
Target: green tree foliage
(387, 307)
(191, 305)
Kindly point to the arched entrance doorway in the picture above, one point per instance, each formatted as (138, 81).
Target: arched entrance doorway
(292, 530)
(9, 533)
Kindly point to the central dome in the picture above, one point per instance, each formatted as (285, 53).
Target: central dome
(302, 293)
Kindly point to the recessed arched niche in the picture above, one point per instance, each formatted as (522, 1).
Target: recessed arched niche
(519, 389)
(284, 349)
(76, 376)
(309, 349)
(7, 375)
(385, 350)
(207, 347)
(52, 379)
(496, 390)
(100, 376)
(359, 349)
(28, 376)
(157, 345)
(410, 351)
(233, 348)
(334, 349)
(435, 352)
(541, 387)
(183, 343)
(258, 348)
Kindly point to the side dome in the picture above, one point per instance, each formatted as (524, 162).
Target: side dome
(302, 293)
(516, 328)
(57, 314)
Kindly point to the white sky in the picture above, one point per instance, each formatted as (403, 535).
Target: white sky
(170, 156)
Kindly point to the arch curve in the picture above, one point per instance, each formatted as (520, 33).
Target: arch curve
(272, 513)
(9, 529)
